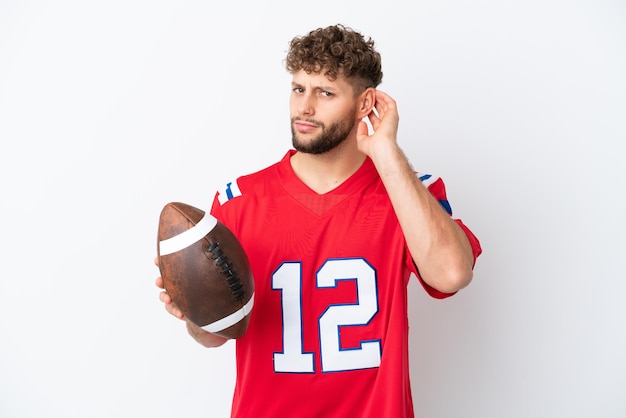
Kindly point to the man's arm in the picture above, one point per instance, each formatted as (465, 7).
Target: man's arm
(438, 245)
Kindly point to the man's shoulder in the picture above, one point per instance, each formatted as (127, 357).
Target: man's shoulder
(254, 183)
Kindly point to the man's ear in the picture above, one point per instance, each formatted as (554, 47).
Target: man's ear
(367, 100)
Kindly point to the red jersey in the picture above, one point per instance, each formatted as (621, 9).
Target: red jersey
(328, 335)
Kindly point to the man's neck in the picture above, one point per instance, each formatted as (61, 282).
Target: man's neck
(325, 172)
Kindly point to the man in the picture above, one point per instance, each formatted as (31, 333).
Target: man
(333, 232)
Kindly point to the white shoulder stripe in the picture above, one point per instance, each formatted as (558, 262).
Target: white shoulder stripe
(231, 190)
(189, 237)
(232, 319)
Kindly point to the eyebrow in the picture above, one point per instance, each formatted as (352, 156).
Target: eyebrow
(321, 87)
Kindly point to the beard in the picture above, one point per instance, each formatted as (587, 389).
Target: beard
(327, 140)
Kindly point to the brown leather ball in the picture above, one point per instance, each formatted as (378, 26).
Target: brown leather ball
(205, 270)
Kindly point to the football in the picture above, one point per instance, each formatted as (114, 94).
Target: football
(205, 270)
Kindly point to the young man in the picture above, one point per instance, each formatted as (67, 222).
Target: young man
(333, 232)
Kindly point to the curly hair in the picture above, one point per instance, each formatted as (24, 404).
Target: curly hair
(336, 50)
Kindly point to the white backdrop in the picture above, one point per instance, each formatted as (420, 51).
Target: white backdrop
(108, 110)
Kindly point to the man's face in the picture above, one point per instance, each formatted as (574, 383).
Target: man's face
(323, 112)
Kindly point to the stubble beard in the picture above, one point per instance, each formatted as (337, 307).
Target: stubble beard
(327, 140)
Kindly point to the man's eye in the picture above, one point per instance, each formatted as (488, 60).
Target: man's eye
(326, 94)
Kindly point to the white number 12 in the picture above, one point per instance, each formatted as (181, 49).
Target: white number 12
(293, 359)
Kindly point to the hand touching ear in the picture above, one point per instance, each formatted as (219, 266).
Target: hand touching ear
(384, 119)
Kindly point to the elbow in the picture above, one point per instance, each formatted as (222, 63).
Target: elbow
(457, 272)
(205, 338)
(462, 279)
(448, 270)
(453, 280)
(211, 340)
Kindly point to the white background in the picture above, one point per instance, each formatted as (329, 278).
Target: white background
(110, 109)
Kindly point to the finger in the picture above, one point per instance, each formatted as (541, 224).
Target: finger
(165, 298)
(381, 109)
(362, 129)
(383, 97)
(159, 282)
(386, 107)
(156, 261)
(374, 120)
(384, 102)
(173, 310)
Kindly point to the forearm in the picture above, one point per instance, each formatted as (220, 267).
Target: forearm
(203, 337)
(439, 247)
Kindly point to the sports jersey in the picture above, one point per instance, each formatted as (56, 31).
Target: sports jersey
(328, 334)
